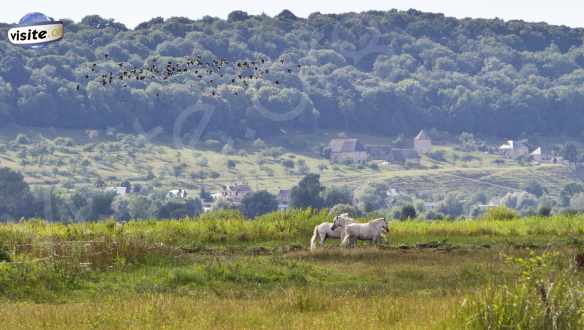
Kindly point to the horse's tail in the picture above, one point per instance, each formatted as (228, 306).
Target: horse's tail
(314, 238)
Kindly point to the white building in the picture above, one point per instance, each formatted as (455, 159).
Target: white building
(514, 149)
(536, 154)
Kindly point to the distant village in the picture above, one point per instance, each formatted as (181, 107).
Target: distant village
(349, 150)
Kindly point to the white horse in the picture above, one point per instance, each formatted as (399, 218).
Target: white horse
(372, 231)
(324, 230)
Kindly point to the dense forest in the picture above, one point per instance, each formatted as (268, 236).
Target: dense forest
(377, 72)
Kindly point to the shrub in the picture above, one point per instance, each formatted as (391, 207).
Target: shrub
(180, 209)
(258, 203)
(434, 216)
(408, 212)
(452, 205)
(288, 163)
(519, 200)
(231, 164)
(544, 211)
(500, 213)
(4, 255)
(568, 191)
(334, 195)
(535, 188)
(438, 155)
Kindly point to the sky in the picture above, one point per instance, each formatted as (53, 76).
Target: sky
(131, 13)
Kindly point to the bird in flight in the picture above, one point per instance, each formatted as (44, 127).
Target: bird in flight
(206, 72)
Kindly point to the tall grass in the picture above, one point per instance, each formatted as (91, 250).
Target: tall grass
(287, 225)
(137, 239)
(546, 295)
(553, 226)
(209, 228)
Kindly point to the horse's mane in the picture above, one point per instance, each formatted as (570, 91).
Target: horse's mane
(343, 220)
(378, 221)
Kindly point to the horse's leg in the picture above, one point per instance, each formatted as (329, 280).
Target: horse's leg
(322, 239)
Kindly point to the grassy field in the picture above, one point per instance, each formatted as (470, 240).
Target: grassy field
(221, 271)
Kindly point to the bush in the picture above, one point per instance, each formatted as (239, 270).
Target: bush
(452, 205)
(180, 209)
(288, 163)
(438, 155)
(231, 164)
(408, 212)
(333, 196)
(4, 255)
(544, 211)
(500, 213)
(568, 191)
(434, 216)
(258, 203)
(520, 200)
(535, 188)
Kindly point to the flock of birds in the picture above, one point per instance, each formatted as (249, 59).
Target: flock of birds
(210, 72)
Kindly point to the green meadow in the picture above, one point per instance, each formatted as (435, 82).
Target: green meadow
(223, 271)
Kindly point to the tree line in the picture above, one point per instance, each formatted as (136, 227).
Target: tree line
(18, 200)
(378, 72)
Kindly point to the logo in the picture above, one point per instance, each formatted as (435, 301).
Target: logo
(36, 30)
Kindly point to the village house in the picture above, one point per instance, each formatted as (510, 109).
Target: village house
(346, 150)
(235, 193)
(536, 155)
(514, 149)
(352, 150)
(422, 143)
(283, 199)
